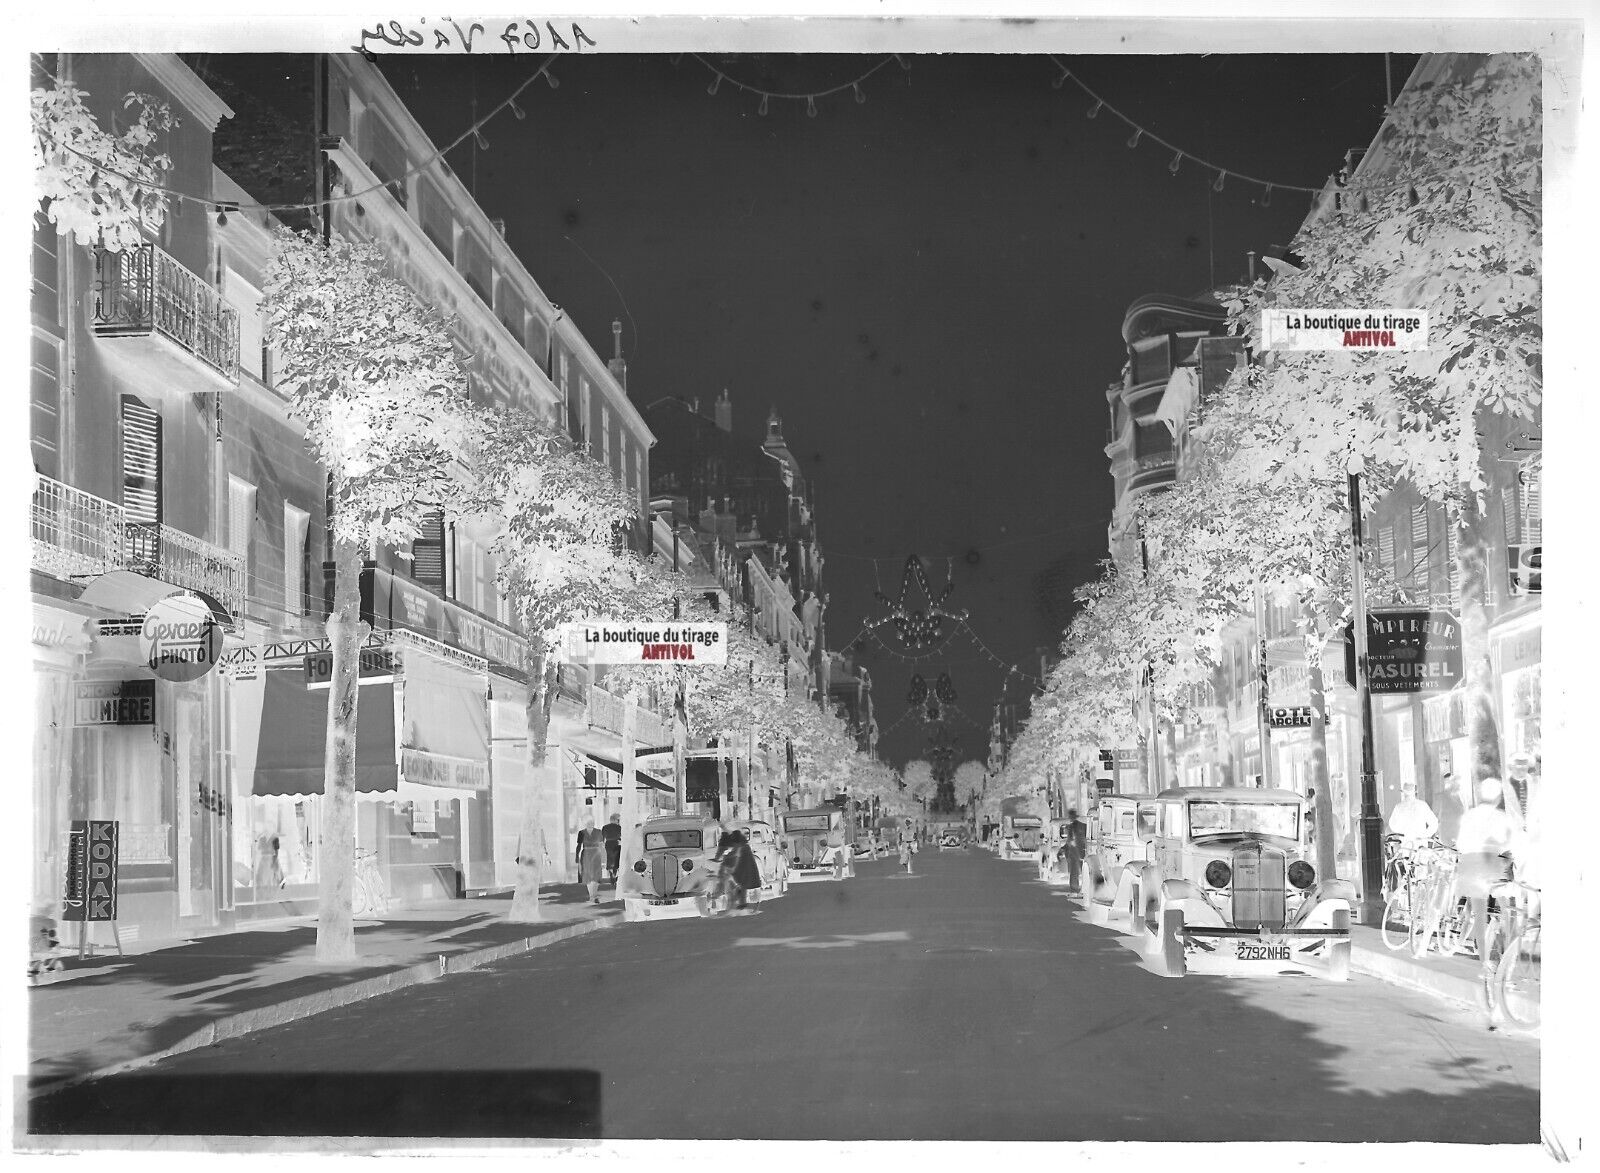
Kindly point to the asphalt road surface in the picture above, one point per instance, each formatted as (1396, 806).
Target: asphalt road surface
(967, 1002)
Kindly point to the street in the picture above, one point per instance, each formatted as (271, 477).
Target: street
(966, 1002)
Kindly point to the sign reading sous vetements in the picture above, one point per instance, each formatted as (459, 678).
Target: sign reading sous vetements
(1413, 650)
(114, 702)
(91, 891)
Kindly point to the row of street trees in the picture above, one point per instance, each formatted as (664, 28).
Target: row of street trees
(1448, 221)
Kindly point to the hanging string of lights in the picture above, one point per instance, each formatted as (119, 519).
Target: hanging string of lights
(222, 208)
(809, 98)
(1407, 178)
(962, 629)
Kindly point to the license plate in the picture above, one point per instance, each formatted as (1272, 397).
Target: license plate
(660, 901)
(1248, 951)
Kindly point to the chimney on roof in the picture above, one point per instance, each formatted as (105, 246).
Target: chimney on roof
(499, 226)
(724, 412)
(618, 366)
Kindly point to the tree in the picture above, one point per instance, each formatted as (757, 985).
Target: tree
(100, 187)
(383, 400)
(556, 516)
(970, 777)
(1453, 227)
(917, 778)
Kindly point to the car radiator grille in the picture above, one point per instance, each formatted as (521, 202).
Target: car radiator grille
(664, 873)
(1258, 888)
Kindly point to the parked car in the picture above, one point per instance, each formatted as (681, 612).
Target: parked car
(811, 838)
(952, 841)
(774, 868)
(673, 875)
(1112, 843)
(1226, 882)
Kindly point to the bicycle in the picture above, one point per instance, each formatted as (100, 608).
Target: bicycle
(1512, 979)
(1446, 916)
(1401, 884)
(368, 893)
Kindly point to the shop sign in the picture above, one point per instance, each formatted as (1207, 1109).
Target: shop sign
(377, 666)
(180, 639)
(1444, 717)
(1525, 564)
(1413, 650)
(113, 702)
(91, 890)
(1289, 717)
(1522, 650)
(431, 769)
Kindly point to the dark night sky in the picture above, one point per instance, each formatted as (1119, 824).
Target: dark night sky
(928, 286)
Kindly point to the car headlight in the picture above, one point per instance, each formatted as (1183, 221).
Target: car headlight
(639, 866)
(1301, 874)
(688, 865)
(1218, 873)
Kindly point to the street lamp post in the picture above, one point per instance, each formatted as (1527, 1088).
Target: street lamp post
(1371, 818)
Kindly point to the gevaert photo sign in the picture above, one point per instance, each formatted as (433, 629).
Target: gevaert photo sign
(648, 643)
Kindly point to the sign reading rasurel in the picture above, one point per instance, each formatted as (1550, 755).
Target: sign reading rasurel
(641, 643)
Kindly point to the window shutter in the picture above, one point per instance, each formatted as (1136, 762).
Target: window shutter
(1531, 476)
(141, 462)
(295, 525)
(44, 390)
(1419, 546)
(241, 517)
(1219, 357)
(1386, 547)
(427, 552)
(1510, 514)
(1452, 552)
(46, 270)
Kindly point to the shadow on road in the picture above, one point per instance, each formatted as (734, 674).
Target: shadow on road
(451, 1104)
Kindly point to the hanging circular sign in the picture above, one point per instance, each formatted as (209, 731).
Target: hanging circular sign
(180, 639)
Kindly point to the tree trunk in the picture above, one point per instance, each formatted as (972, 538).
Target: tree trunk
(1483, 729)
(533, 850)
(1322, 804)
(336, 857)
(630, 786)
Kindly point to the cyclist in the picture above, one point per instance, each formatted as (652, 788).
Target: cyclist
(1484, 843)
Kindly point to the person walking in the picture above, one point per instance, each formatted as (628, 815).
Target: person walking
(612, 834)
(591, 859)
(1483, 844)
(908, 847)
(1412, 819)
(1075, 838)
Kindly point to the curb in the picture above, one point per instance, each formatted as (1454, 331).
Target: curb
(233, 1026)
(1400, 971)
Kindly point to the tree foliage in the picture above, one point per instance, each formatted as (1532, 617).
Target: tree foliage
(100, 186)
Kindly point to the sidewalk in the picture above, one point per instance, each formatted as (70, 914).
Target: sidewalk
(1456, 978)
(106, 1013)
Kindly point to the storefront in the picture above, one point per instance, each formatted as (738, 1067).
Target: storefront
(1517, 651)
(423, 794)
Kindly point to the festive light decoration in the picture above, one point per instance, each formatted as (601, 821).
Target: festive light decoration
(808, 97)
(919, 690)
(917, 627)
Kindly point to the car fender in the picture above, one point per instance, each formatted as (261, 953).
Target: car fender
(1324, 901)
(1197, 910)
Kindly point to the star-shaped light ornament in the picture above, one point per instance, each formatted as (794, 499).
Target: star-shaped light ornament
(918, 627)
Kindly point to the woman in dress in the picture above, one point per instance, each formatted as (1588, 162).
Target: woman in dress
(591, 859)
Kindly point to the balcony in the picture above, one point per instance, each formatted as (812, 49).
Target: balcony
(159, 551)
(75, 534)
(146, 294)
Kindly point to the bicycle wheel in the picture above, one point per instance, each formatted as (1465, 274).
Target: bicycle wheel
(1397, 926)
(361, 902)
(1458, 929)
(1516, 984)
(1424, 919)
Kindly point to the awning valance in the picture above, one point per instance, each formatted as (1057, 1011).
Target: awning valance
(126, 593)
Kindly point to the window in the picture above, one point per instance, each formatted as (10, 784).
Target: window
(295, 525)
(384, 154)
(241, 518)
(141, 462)
(605, 436)
(583, 414)
(246, 298)
(46, 270)
(44, 390)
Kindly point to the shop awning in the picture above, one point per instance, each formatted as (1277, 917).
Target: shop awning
(125, 593)
(444, 725)
(294, 735)
(616, 768)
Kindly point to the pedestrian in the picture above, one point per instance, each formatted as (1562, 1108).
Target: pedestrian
(1075, 842)
(591, 859)
(268, 871)
(1448, 799)
(611, 833)
(1412, 819)
(908, 847)
(739, 873)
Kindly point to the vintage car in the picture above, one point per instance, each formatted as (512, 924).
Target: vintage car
(774, 868)
(673, 874)
(1225, 884)
(1020, 836)
(812, 839)
(1112, 842)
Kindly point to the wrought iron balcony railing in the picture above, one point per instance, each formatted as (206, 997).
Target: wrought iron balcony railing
(146, 291)
(74, 533)
(159, 551)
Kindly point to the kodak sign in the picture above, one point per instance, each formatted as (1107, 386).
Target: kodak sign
(91, 891)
